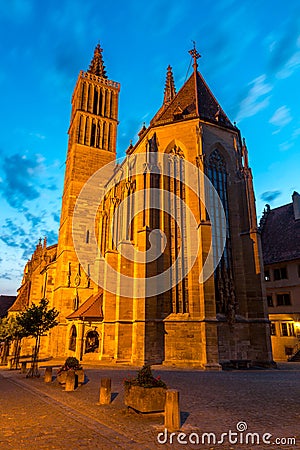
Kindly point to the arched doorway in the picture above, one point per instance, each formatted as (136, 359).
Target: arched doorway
(72, 338)
(92, 342)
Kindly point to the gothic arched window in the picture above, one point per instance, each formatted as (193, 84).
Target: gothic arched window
(224, 284)
(177, 230)
(217, 174)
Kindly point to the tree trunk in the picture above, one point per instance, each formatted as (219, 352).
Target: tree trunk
(5, 352)
(33, 371)
(17, 352)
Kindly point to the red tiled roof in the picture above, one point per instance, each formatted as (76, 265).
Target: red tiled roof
(90, 309)
(6, 302)
(22, 300)
(185, 103)
(281, 235)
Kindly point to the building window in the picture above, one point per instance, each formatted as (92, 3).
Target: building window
(283, 299)
(273, 329)
(287, 329)
(92, 342)
(280, 274)
(270, 300)
(267, 275)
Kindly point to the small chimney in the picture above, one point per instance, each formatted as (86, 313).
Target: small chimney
(296, 205)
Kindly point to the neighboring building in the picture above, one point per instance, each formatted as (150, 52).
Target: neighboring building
(192, 324)
(280, 232)
(6, 301)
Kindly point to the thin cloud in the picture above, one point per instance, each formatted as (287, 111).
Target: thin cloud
(17, 186)
(270, 196)
(23, 180)
(285, 48)
(256, 99)
(6, 276)
(281, 117)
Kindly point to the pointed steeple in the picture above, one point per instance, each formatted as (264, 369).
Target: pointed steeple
(195, 55)
(97, 66)
(170, 90)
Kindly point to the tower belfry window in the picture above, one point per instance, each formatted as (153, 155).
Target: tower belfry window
(93, 134)
(95, 108)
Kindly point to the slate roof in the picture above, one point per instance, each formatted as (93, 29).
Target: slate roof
(6, 301)
(183, 105)
(281, 235)
(90, 309)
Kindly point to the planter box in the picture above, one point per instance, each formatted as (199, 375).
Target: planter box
(145, 400)
(61, 378)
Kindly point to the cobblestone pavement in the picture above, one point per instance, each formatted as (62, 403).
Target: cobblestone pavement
(36, 415)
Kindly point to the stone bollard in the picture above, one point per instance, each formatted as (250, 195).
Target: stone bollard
(23, 367)
(10, 362)
(48, 375)
(172, 411)
(70, 381)
(105, 391)
(80, 375)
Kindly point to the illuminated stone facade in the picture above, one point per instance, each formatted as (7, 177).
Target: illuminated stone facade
(191, 324)
(280, 229)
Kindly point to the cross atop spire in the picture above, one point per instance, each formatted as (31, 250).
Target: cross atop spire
(195, 55)
(97, 66)
(170, 90)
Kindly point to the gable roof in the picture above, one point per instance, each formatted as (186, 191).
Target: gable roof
(6, 301)
(280, 235)
(183, 105)
(90, 309)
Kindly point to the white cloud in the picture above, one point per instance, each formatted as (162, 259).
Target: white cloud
(285, 146)
(256, 99)
(281, 117)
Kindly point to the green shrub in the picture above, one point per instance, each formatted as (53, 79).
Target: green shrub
(145, 379)
(71, 363)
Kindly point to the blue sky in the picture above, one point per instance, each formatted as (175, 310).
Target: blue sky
(250, 58)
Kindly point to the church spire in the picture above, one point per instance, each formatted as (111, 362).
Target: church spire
(170, 90)
(195, 55)
(97, 66)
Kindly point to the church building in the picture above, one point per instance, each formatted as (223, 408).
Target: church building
(187, 176)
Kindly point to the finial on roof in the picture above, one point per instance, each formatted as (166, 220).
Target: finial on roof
(195, 55)
(265, 214)
(130, 146)
(142, 131)
(170, 90)
(97, 66)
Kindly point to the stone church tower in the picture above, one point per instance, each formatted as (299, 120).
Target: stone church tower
(92, 144)
(191, 323)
